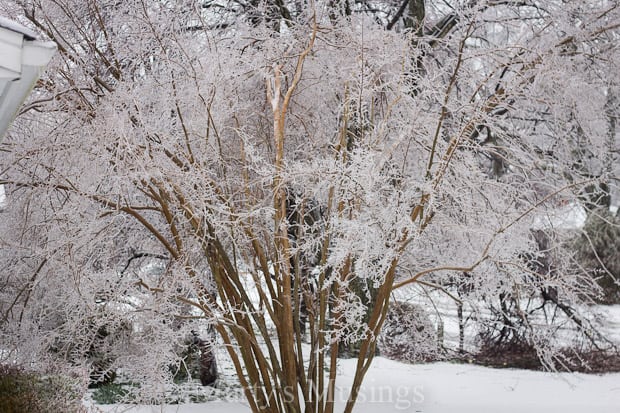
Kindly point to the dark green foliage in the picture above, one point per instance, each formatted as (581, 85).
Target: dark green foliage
(197, 361)
(189, 367)
(106, 339)
(26, 392)
(367, 294)
(110, 393)
(208, 365)
(598, 252)
(101, 371)
(596, 196)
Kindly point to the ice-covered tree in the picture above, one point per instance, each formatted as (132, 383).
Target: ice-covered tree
(274, 171)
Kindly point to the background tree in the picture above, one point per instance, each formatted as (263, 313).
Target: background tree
(597, 252)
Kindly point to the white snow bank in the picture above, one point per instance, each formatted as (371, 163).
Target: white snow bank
(467, 388)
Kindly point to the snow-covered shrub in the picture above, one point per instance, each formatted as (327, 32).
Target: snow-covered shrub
(22, 391)
(507, 330)
(534, 318)
(408, 334)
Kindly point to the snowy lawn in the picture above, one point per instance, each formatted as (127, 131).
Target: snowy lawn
(442, 387)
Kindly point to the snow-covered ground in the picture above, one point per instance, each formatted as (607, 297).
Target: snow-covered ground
(444, 388)
(392, 386)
